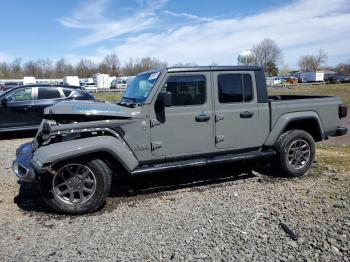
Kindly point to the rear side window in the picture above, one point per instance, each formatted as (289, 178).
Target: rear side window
(48, 93)
(235, 88)
(187, 90)
(67, 92)
(79, 94)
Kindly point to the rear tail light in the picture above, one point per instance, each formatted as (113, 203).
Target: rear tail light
(343, 111)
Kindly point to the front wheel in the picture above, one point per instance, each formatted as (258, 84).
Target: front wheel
(78, 187)
(295, 152)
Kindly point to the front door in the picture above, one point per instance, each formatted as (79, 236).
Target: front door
(186, 128)
(18, 110)
(241, 122)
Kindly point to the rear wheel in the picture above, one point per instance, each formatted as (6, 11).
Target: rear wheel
(78, 187)
(295, 152)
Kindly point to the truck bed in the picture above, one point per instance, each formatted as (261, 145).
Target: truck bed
(326, 108)
(293, 97)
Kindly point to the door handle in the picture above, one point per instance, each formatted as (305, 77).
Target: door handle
(246, 114)
(202, 118)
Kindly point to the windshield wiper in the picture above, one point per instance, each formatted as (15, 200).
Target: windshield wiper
(130, 98)
(129, 102)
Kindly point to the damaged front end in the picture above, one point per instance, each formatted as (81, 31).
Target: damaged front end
(67, 122)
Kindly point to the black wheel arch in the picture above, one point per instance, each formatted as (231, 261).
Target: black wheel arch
(310, 125)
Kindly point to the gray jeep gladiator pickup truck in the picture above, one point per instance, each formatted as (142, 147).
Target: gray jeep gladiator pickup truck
(170, 119)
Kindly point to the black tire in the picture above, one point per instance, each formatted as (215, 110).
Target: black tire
(59, 202)
(288, 153)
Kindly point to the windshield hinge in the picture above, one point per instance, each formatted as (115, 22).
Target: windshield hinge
(219, 117)
(154, 122)
(155, 145)
(219, 138)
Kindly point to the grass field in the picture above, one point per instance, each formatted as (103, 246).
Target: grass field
(110, 97)
(334, 157)
(342, 90)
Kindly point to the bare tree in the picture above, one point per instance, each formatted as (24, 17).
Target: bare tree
(313, 62)
(343, 68)
(285, 71)
(246, 58)
(86, 68)
(31, 68)
(63, 68)
(110, 65)
(133, 67)
(16, 67)
(45, 68)
(267, 52)
(5, 71)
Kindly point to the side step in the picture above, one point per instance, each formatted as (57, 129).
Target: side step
(202, 162)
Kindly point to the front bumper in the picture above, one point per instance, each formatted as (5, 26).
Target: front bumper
(22, 165)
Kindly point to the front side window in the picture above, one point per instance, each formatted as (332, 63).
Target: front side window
(48, 93)
(186, 90)
(141, 86)
(235, 88)
(21, 95)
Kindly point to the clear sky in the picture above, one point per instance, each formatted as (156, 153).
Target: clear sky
(202, 32)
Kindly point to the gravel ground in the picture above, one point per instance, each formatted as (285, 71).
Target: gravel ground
(204, 214)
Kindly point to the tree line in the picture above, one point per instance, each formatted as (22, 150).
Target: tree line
(46, 68)
(269, 55)
(266, 53)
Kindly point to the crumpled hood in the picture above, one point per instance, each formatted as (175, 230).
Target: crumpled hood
(92, 108)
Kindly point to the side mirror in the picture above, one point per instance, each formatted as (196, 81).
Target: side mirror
(163, 100)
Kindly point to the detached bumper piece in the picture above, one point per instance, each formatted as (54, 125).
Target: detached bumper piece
(340, 131)
(22, 165)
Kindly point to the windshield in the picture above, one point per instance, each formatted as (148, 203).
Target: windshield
(141, 86)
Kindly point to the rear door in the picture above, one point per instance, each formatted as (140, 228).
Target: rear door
(18, 110)
(186, 127)
(240, 122)
(45, 97)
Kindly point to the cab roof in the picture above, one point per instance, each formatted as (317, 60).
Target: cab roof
(205, 68)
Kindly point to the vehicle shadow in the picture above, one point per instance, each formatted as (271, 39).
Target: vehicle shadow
(17, 135)
(126, 188)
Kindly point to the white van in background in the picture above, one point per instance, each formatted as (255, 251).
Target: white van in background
(71, 80)
(28, 80)
(270, 81)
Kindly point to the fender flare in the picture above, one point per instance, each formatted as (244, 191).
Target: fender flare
(54, 153)
(286, 119)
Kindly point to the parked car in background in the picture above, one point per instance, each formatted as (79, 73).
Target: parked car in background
(22, 108)
(8, 85)
(123, 82)
(307, 77)
(344, 78)
(89, 86)
(332, 79)
(274, 80)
